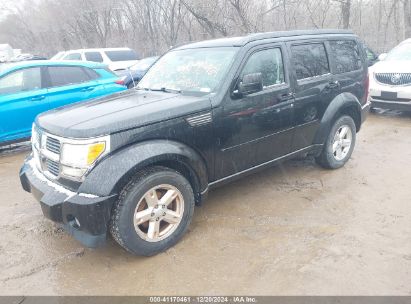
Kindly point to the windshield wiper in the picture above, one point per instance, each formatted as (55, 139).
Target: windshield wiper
(166, 90)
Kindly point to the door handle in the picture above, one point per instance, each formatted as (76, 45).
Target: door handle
(333, 85)
(87, 89)
(37, 98)
(287, 96)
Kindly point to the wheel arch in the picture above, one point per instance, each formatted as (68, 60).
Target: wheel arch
(343, 104)
(115, 171)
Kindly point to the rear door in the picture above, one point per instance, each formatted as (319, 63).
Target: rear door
(22, 98)
(69, 84)
(314, 88)
(349, 66)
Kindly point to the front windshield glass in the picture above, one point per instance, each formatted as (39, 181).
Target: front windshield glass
(401, 52)
(195, 70)
(144, 64)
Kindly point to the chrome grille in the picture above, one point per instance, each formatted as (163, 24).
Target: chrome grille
(53, 145)
(394, 78)
(53, 167)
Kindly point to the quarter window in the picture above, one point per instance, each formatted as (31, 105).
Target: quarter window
(93, 56)
(347, 56)
(310, 60)
(122, 55)
(21, 81)
(267, 62)
(65, 75)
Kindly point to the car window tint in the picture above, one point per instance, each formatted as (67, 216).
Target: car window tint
(72, 56)
(91, 73)
(21, 81)
(64, 75)
(267, 62)
(347, 56)
(310, 60)
(93, 56)
(122, 55)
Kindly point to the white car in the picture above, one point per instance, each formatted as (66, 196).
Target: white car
(116, 58)
(390, 79)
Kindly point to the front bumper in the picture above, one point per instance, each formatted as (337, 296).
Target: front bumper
(84, 216)
(391, 97)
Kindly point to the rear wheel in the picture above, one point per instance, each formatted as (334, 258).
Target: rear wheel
(339, 144)
(153, 211)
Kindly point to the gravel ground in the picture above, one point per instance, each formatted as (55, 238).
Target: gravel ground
(295, 229)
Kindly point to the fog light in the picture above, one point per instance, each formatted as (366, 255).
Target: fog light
(72, 172)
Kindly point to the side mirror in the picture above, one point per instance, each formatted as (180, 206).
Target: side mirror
(251, 83)
(382, 56)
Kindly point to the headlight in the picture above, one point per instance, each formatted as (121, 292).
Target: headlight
(77, 156)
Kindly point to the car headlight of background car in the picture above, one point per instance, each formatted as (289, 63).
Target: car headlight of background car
(78, 156)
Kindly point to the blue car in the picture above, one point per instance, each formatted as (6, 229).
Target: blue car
(30, 88)
(133, 74)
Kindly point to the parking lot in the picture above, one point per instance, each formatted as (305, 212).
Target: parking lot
(294, 229)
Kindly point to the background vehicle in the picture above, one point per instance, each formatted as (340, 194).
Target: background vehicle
(371, 56)
(133, 74)
(390, 79)
(204, 114)
(32, 87)
(115, 58)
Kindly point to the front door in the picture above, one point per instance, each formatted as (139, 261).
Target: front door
(256, 128)
(22, 98)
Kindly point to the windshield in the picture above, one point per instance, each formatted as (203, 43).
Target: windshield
(144, 64)
(195, 70)
(401, 52)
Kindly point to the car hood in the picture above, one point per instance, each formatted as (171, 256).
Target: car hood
(391, 67)
(118, 112)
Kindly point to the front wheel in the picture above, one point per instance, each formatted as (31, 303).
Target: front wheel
(153, 211)
(339, 144)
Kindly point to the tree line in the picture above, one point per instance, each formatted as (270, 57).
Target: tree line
(152, 26)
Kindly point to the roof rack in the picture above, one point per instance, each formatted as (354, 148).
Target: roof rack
(269, 35)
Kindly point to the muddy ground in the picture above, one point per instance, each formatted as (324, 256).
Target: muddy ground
(295, 229)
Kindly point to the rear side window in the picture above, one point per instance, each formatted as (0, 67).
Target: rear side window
(122, 55)
(72, 56)
(347, 56)
(92, 74)
(310, 60)
(267, 62)
(21, 81)
(93, 56)
(65, 75)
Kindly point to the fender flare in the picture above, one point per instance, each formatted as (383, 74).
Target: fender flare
(344, 103)
(114, 171)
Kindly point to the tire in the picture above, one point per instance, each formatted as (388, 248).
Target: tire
(136, 237)
(331, 158)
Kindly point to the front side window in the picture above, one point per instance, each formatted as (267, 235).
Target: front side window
(190, 70)
(347, 56)
(310, 60)
(66, 75)
(72, 56)
(267, 62)
(93, 56)
(21, 81)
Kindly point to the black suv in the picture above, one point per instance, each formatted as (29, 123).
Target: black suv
(137, 162)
